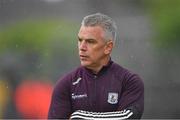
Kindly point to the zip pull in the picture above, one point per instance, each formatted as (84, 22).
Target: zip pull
(95, 76)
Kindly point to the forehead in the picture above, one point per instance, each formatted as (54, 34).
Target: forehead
(91, 31)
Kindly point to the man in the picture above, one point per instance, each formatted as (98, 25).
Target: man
(99, 88)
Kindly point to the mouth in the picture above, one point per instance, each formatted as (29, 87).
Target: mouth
(83, 57)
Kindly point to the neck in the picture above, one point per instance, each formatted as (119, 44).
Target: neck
(97, 68)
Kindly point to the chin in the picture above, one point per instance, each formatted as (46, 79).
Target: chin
(84, 63)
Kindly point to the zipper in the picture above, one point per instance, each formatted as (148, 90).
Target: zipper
(95, 92)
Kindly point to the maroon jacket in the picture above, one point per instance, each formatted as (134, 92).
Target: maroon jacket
(114, 88)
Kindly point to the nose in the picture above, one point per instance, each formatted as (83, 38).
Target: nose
(82, 45)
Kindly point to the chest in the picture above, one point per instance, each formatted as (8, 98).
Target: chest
(97, 94)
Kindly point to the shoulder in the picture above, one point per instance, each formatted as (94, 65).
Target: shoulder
(126, 75)
(120, 71)
(68, 78)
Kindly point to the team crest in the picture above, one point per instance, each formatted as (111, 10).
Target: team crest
(112, 98)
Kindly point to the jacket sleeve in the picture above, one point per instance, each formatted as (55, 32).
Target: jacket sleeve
(116, 115)
(60, 106)
(133, 96)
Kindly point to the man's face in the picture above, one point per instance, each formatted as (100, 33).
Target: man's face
(93, 49)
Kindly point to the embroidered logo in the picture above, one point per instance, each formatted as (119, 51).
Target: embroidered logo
(78, 96)
(77, 81)
(112, 98)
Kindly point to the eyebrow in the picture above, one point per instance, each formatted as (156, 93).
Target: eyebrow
(86, 39)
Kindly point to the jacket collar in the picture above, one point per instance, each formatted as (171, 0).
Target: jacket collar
(103, 69)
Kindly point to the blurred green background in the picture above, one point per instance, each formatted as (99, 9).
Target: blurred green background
(38, 44)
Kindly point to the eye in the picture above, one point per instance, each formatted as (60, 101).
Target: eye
(79, 39)
(91, 41)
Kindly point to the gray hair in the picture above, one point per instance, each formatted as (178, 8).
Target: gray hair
(104, 21)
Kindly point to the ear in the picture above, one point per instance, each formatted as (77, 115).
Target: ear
(108, 47)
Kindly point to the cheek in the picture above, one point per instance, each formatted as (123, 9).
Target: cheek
(97, 52)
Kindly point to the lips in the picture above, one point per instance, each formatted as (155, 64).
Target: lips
(83, 57)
